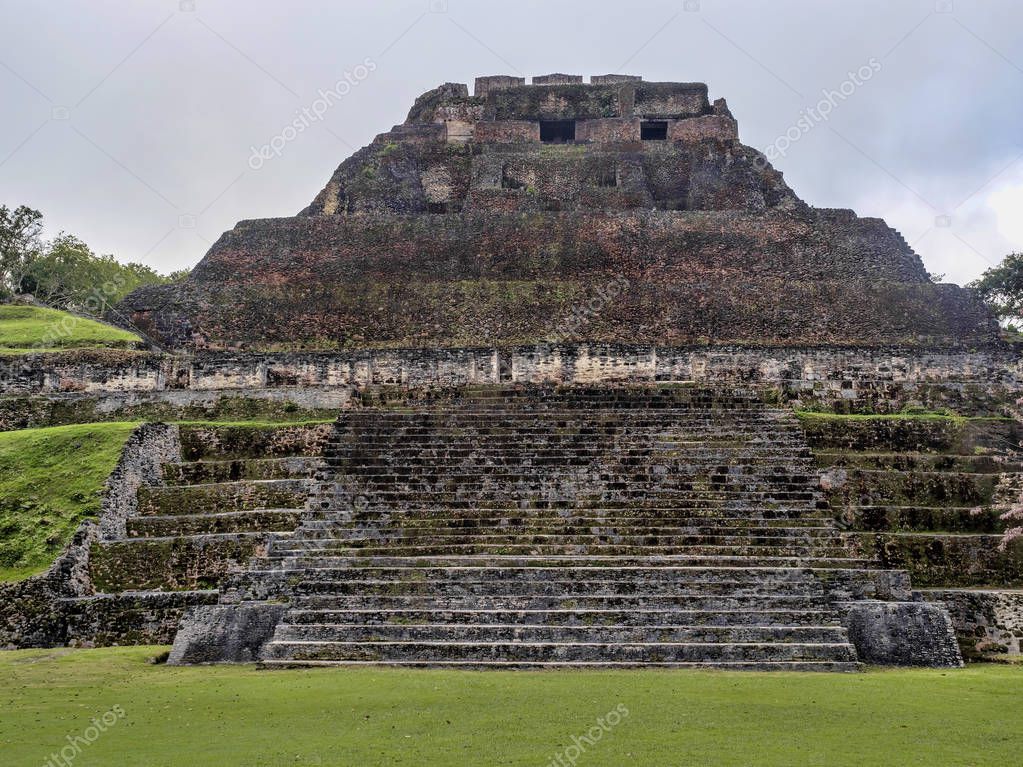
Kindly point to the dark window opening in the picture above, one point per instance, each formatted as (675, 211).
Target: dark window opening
(437, 207)
(653, 130)
(508, 180)
(607, 175)
(557, 131)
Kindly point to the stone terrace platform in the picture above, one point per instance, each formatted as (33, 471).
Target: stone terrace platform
(538, 527)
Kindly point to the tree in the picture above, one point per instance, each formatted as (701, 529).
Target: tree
(20, 231)
(64, 272)
(178, 275)
(67, 274)
(1001, 287)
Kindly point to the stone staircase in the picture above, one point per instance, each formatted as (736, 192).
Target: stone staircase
(655, 526)
(203, 518)
(926, 495)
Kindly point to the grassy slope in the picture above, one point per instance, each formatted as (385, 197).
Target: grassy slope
(32, 328)
(50, 480)
(240, 716)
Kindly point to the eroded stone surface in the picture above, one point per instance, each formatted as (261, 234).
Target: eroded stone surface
(482, 220)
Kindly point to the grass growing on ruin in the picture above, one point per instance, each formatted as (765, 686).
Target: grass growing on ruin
(26, 329)
(909, 416)
(240, 716)
(50, 480)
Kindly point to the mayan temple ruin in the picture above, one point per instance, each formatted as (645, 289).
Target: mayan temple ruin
(558, 373)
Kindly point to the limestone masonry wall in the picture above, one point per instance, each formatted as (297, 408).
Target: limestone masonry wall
(35, 389)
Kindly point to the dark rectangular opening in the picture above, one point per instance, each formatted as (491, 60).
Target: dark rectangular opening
(557, 131)
(437, 207)
(607, 175)
(653, 130)
(508, 179)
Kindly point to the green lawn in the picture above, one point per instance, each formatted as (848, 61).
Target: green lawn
(241, 716)
(25, 329)
(50, 480)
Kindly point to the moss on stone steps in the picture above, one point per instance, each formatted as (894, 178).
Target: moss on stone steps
(22, 412)
(943, 559)
(171, 564)
(911, 433)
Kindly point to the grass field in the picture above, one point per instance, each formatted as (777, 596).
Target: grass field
(25, 329)
(50, 480)
(229, 716)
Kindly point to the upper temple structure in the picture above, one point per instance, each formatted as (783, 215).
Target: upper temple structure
(489, 219)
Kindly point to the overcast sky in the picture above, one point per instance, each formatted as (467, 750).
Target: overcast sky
(131, 123)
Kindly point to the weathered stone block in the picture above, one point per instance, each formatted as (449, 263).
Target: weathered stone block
(506, 131)
(613, 129)
(225, 633)
(988, 622)
(557, 79)
(902, 634)
(486, 85)
(612, 79)
(703, 128)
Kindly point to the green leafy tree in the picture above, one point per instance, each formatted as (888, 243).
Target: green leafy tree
(178, 275)
(20, 231)
(67, 274)
(1001, 287)
(64, 272)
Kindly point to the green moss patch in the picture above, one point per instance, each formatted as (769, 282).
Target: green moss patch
(50, 481)
(28, 329)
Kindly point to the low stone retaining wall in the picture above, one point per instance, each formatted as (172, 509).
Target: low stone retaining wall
(875, 379)
(988, 622)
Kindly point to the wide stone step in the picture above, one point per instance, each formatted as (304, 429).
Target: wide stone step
(636, 616)
(925, 488)
(728, 606)
(364, 445)
(758, 666)
(659, 652)
(527, 565)
(664, 433)
(939, 462)
(247, 495)
(498, 498)
(607, 465)
(654, 473)
(585, 411)
(952, 519)
(261, 520)
(199, 442)
(540, 509)
(490, 632)
(551, 520)
(700, 487)
(665, 536)
(200, 472)
(583, 549)
(553, 435)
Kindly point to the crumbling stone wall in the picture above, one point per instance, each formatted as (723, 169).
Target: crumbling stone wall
(147, 449)
(989, 623)
(31, 613)
(459, 281)
(318, 384)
